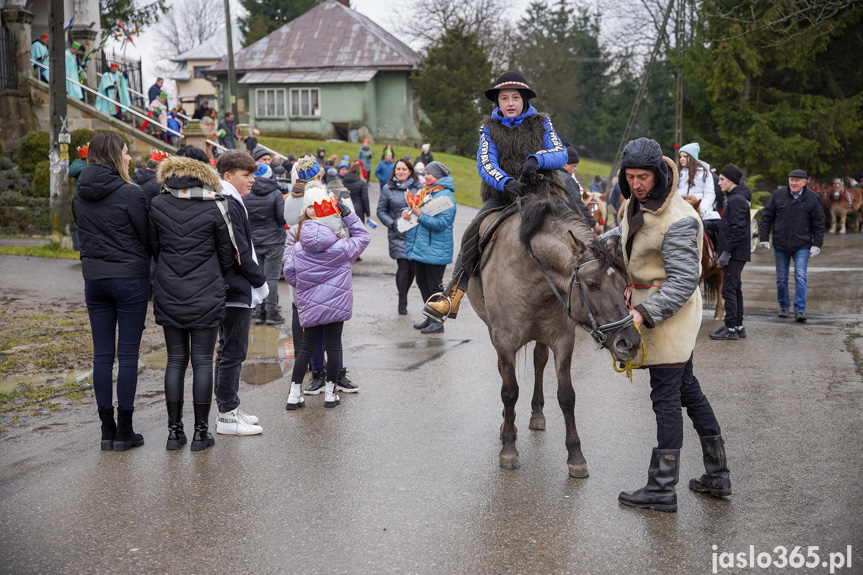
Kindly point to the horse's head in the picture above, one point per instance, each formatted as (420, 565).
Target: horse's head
(694, 202)
(596, 296)
(838, 190)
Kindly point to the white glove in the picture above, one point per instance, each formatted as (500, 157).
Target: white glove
(814, 251)
(765, 245)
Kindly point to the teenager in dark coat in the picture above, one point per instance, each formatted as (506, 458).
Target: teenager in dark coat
(112, 227)
(734, 249)
(190, 239)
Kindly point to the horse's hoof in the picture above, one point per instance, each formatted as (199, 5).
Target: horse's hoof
(537, 422)
(509, 462)
(579, 471)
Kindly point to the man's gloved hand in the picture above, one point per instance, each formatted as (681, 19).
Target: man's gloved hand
(724, 259)
(344, 209)
(814, 251)
(528, 170)
(765, 245)
(513, 187)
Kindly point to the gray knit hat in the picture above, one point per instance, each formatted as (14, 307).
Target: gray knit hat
(437, 169)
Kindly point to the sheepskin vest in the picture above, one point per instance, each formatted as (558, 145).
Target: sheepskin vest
(514, 145)
(670, 342)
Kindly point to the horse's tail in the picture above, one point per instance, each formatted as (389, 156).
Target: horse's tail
(712, 288)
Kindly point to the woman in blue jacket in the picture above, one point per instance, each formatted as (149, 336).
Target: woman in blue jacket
(429, 244)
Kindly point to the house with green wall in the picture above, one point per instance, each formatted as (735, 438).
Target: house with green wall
(330, 73)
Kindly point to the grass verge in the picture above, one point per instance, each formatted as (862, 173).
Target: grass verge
(50, 250)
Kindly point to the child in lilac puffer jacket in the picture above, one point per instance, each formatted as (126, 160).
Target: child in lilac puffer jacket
(319, 268)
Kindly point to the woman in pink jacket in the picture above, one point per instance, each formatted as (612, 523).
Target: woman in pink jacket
(319, 268)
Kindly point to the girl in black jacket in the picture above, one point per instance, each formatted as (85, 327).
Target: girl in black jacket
(190, 237)
(112, 225)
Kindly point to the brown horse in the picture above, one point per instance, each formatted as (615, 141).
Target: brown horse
(711, 272)
(842, 203)
(544, 274)
(595, 205)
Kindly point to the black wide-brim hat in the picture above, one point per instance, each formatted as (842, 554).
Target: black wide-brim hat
(511, 80)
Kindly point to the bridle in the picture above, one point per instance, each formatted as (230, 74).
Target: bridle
(596, 331)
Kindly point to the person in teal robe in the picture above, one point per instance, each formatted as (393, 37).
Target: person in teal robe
(115, 86)
(72, 71)
(39, 53)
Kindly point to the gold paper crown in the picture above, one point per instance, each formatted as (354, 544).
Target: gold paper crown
(158, 155)
(327, 207)
(82, 150)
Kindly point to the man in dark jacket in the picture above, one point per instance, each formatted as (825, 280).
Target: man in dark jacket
(266, 208)
(201, 110)
(246, 286)
(572, 187)
(228, 132)
(734, 249)
(155, 90)
(795, 216)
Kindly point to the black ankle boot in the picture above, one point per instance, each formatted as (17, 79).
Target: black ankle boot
(662, 476)
(403, 305)
(126, 437)
(202, 438)
(176, 435)
(109, 427)
(717, 479)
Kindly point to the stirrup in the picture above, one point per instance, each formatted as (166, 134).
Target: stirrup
(432, 313)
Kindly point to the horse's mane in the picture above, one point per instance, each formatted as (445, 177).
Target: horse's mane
(535, 210)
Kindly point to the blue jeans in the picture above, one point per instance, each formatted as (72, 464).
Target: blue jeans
(801, 263)
(117, 310)
(270, 260)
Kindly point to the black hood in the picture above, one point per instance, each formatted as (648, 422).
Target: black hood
(97, 181)
(350, 178)
(743, 190)
(643, 154)
(183, 182)
(144, 176)
(264, 186)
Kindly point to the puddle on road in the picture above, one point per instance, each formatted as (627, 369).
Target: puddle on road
(11, 383)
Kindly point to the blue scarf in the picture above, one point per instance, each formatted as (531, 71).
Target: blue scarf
(513, 122)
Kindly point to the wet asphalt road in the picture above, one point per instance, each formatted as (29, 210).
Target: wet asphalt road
(403, 477)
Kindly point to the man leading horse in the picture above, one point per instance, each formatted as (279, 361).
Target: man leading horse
(661, 242)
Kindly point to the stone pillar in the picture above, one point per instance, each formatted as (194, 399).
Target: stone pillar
(87, 37)
(18, 20)
(195, 135)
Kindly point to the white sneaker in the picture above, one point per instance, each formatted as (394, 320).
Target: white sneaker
(231, 423)
(252, 419)
(330, 397)
(295, 397)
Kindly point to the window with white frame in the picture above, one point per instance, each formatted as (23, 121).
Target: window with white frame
(305, 102)
(270, 102)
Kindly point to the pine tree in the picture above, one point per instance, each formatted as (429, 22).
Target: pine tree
(264, 17)
(451, 83)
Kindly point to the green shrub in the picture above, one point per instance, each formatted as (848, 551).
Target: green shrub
(20, 214)
(34, 149)
(760, 199)
(79, 138)
(42, 180)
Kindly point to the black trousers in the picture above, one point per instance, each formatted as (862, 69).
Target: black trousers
(671, 389)
(489, 204)
(404, 277)
(183, 344)
(732, 292)
(429, 278)
(332, 344)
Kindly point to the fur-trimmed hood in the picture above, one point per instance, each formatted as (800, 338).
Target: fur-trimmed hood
(176, 171)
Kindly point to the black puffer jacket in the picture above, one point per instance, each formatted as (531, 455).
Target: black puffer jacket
(266, 209)
(149, 185)
(359, 195)
(246, 273)
(734, 225)
(796, 223)
(192, 247)
(112, 225)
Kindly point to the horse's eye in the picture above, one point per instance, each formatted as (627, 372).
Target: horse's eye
(592, 286)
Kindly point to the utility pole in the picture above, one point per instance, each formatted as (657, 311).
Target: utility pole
(232, 75)
(58, 155)
(642, 89)
(678, 115)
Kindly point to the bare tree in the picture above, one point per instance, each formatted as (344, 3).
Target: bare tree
(188, 23)
(422, 24)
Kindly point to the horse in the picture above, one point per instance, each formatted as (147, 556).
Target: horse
(595, 203)
(844, 202)
(542, 251)
(712, 275)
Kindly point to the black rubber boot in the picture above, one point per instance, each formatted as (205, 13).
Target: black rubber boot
(176, 435)
(717, 479)
(202, 438)
(403, 305)
(662, 476)
(109, 427)
(126, 437)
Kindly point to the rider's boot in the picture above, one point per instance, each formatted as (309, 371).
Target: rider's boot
(717, 479)
(662, 476)
(444, 307)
